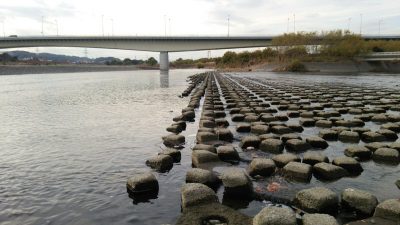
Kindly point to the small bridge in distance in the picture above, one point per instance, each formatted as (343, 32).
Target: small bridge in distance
(381, 56)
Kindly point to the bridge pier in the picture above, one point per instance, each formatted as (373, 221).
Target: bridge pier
(164, 61)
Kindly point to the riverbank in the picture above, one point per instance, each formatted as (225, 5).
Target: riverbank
(41, 69)
(326, 67)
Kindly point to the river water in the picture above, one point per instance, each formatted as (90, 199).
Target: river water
(68, 143)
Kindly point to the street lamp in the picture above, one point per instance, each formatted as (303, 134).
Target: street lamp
(228, 23)
(102, 24)
(57, 26)
(361, 18)
(348, 24)
(42, 25)
(294, 23)
(112, 27)
(379, 27)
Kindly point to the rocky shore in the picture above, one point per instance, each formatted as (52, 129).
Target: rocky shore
(254, 129)
(40, 69)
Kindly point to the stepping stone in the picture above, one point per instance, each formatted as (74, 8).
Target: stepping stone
(260, 129)
(175, 154)
(380, 118)
(349, 136)
(317, 142)
(328, 171)
(237, 117)
(375, 145)
(298, 171)
(313, 158)
(361, 130)
(236, 182)
(358, 151)
(261, 167)
(221, 122)
(227, 153)
(391, 126)
(319, 219)
(282, 159)
(372, 137)
(219, 114)
(362, 202)
(268, 118)
(194, 194)
(350, 164)
(251, 118)
(271, 145)
(297, 145)
(142, 183)
(173, 140)
(206, 137)
(202, 156)
(306, 122)
(388, 155)
(209, 148)
(174, 129)
(317, 200)
(224, 134)
(296, 127)
(395, 145)
(250, 141)
(286, 137)
(328, 134)
(206, 123)
(243, 128)
(388, 134)
(323, 123)
(160, 163)
(389, 209)
(281, 130)
(206, 177)
(268, 136)
(275, 215)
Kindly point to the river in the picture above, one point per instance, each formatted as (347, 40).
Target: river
(69, 141)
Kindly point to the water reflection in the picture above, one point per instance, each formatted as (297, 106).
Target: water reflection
(164, 78)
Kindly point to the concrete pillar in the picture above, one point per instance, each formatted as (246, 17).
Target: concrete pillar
(164, 61)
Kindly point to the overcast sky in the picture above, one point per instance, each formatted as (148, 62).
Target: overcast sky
(191, 17)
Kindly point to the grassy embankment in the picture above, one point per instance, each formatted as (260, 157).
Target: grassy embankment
(292, 50)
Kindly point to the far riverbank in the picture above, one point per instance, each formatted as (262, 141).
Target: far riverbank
(41, 69)
(326, 67)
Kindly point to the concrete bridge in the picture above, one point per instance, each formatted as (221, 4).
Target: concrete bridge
(152, 44)
(149, 43)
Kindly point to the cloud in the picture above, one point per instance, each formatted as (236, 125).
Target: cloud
(195, 17)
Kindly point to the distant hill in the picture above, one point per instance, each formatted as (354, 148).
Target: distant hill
(49, 57)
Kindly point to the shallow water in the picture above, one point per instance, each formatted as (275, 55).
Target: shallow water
(69, 142)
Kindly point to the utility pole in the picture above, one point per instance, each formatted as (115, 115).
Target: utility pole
(228, 23)
(42, 25)
(165, 25)
(348, 23)
(361, 18)
(112, 27)
(379, 27)
(288, 21)
(169, 27)
(57, 26)
(102, 24)
(4, 29)
(294, 23)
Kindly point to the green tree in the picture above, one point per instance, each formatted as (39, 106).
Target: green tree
(151, 61)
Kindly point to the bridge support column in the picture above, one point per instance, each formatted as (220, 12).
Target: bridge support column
(164, 61)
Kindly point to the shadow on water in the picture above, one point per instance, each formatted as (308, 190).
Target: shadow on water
(164, 78)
